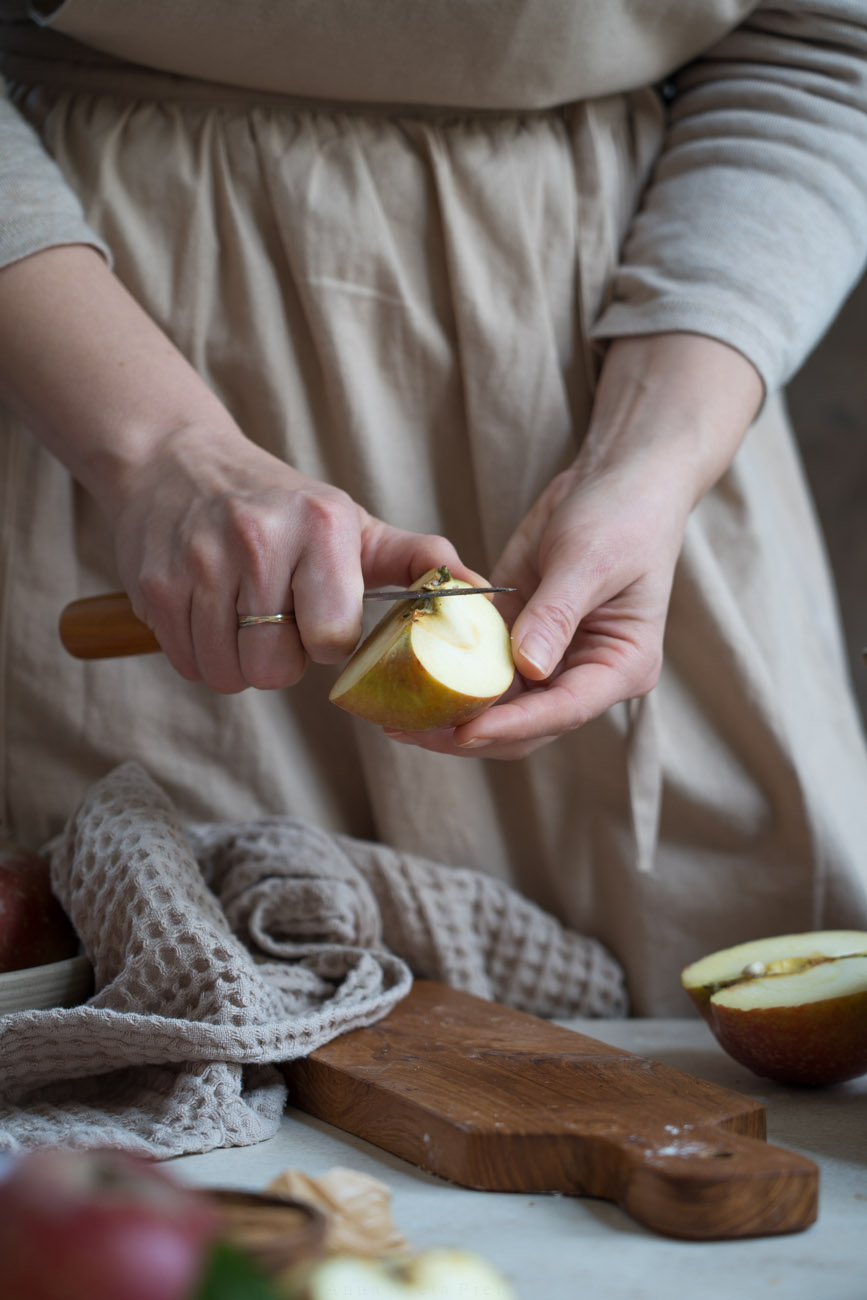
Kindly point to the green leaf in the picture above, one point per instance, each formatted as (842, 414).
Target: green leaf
(232, 1275)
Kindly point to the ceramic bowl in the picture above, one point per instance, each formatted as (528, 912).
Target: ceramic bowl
(38, 988)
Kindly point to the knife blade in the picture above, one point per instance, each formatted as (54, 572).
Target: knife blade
(106, 627)
(425, 593)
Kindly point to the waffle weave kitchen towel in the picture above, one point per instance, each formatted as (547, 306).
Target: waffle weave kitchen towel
(220, 950)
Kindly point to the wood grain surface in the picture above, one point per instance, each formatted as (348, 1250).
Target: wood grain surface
(104, 627)
(494, 1099)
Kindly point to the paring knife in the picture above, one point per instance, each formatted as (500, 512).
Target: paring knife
(105, 627)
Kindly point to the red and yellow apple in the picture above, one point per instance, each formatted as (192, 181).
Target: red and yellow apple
(429, 664)
(34, 929)
(792, 1007)
(99, 1225)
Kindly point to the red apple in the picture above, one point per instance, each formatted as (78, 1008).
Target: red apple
(34, 929)
(429, 664)
(99, 1225)
(792, 1007)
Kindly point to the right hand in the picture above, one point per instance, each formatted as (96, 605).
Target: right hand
(212, 526)
(206, 524)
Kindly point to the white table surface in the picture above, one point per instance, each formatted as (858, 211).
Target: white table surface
(568, 1248)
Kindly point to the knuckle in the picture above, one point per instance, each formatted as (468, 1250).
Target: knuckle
(206, 565)
(439, 544)
(599, 558)
(558, 620)
(257, 530)
(325, 512)
(156, 591)
(599, 566)
(578, 715)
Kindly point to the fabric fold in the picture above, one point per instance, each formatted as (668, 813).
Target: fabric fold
(220, 951)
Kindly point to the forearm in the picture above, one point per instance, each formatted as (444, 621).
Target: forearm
(94, 377)
(670, 412)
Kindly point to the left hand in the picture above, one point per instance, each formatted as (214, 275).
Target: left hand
(594, 559)
(593, 563)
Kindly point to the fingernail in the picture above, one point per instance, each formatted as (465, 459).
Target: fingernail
(394, 735)
(476, 742)
(536, 652)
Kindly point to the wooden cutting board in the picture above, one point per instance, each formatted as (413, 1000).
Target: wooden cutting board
(497, 1100)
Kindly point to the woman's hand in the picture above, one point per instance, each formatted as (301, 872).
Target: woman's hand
(207, 525)
(213, 527)
(594, 559)
(593, 563)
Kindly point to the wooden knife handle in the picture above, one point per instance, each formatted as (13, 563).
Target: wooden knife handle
(105, 627)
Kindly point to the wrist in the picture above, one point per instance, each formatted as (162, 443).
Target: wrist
(673, 406)
(200, 450)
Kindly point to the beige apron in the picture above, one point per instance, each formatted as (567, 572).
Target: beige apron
(396, 301)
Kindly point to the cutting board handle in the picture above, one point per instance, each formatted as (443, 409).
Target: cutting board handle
(105, 627)
(701, 1182)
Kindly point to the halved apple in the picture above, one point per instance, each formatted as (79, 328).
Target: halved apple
(792, 1007)
(429, 664)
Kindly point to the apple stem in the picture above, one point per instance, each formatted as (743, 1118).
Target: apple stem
(443, 577)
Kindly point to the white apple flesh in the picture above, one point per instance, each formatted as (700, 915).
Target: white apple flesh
(791, 1007)
(429, 664)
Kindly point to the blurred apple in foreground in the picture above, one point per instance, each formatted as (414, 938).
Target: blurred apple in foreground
(444, 1274)
(792, 1007)
(98, 1225)
(429, 664)
(34, 929)
(104, 1225)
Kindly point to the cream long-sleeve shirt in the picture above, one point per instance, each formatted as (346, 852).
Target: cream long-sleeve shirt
(753, 228)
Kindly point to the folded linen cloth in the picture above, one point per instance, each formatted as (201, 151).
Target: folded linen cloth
(221, 950)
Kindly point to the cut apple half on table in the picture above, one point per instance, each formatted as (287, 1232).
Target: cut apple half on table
(791, 1007)
(429, 664)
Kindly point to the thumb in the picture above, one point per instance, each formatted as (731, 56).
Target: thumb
(544, 629)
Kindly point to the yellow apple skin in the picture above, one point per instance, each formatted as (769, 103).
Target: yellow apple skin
(813, 1045)
(406, 698)
(396, 690)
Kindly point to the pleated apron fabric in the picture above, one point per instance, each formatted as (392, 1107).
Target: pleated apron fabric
(397, 300)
